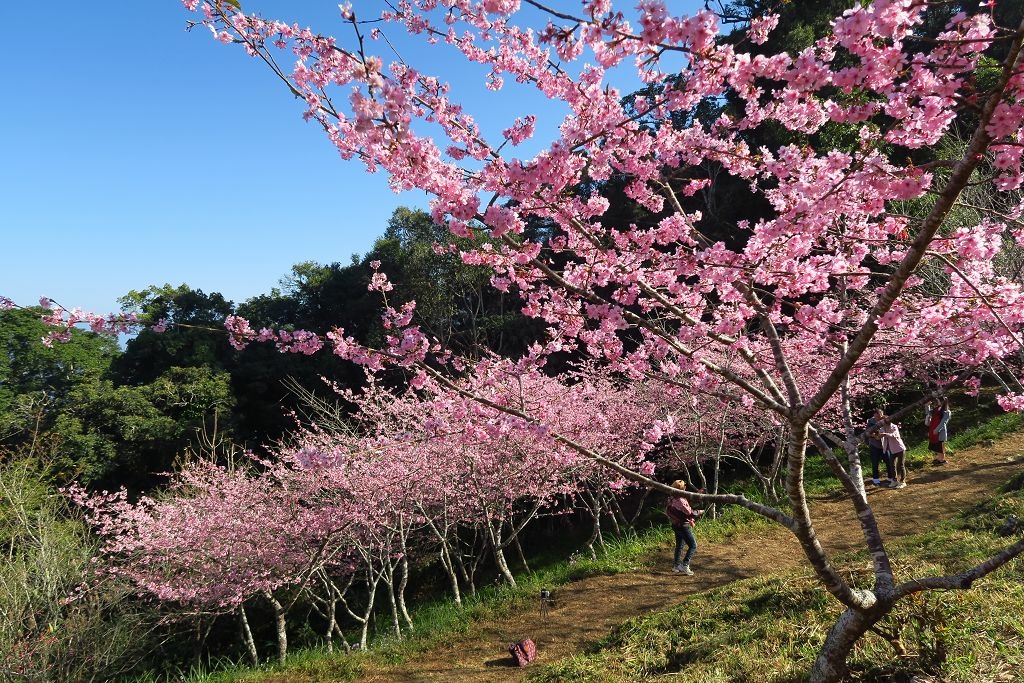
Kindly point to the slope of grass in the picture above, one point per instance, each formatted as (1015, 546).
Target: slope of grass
(770, 628)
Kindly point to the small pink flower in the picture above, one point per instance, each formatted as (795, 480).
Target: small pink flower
(760, 27)
(379, 283)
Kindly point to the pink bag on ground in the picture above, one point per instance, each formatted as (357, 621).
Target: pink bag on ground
(523, 652)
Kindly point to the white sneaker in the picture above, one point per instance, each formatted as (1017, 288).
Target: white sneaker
(894, 484)
(902, 485)
(685, 570)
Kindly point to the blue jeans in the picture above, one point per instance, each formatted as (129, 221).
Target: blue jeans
(878, 455)
(685, 534)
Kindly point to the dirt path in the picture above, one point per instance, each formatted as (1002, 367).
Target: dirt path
(588, 609)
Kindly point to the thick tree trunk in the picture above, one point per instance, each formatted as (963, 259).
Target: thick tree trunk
(594, 508)
(389, 582)
(364, 634)
(497, 548)
(372, 579)
(332, 621)
(830, 665)
(499, 559)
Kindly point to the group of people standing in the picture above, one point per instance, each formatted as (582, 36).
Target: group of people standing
(886, 446)
(886, 443)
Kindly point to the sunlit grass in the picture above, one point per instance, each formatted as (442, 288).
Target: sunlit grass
(770, 628)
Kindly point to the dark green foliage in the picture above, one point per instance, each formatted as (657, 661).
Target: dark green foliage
(78, 417)
(729, 201)
(32, 374)
(109, 434)
(191, 316)
(104, 416)
(122, 434)
(454, 302)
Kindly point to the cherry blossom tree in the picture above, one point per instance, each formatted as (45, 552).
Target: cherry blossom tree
(463, 465)
(700, 432)
(219, 537)
(834, 273)
(348, 503)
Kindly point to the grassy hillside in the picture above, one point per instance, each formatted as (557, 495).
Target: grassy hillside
(770, 628)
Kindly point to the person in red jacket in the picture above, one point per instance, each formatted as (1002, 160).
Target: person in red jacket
(937, 422)
(683, 518)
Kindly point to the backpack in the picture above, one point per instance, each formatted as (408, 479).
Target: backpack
(523, 652)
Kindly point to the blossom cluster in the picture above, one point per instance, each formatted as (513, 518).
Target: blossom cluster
(221, 535)
(63, 321)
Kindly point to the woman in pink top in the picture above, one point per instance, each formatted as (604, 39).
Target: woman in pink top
(893, 444)
(683, 517)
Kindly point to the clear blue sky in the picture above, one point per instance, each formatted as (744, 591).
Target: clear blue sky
(136, 153)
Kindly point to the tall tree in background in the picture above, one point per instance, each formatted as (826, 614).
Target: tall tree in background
(454, 302)
(34, 377)
(189, 315)
(85, 414)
